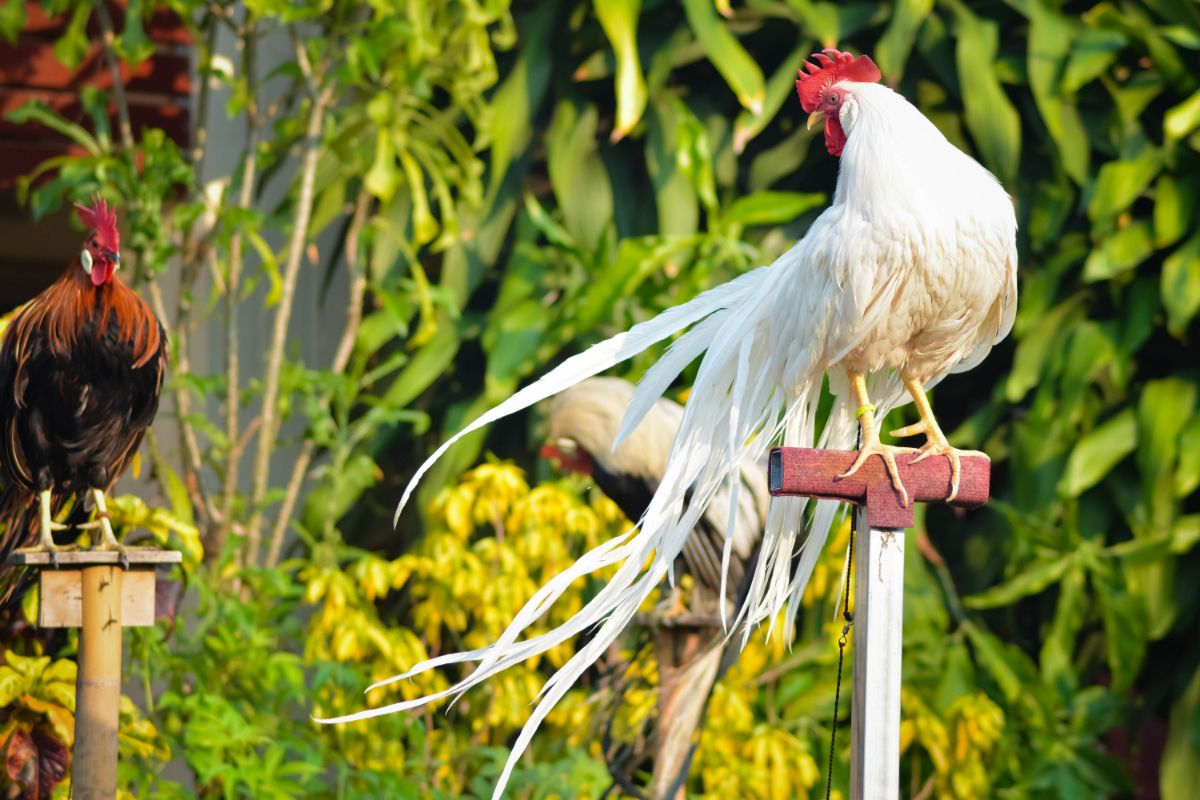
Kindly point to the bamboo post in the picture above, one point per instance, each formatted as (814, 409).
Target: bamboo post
(98, 685)
(879, 584)
(90, 590)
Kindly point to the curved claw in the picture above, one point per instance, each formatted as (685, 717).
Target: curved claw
(888, 453)
(953, 455)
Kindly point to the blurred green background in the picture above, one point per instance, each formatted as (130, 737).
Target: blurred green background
(472, 191)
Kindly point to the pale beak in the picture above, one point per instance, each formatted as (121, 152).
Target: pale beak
(814, 118)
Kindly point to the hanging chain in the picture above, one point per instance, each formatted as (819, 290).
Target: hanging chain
(848, 619)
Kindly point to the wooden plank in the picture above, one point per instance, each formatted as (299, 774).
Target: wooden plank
(77, 558)
(60, 598)
(878, 636)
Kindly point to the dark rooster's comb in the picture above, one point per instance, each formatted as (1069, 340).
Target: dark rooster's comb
(101, 219)
(832, 66)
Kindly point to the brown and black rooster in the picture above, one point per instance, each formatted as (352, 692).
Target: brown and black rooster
(81, 368)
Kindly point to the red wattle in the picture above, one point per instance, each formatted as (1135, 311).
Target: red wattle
(101, 272)
(835, 137)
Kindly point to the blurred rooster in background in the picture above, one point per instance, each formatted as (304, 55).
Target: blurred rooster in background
(909, 275)
(81, 368)
(688, 642)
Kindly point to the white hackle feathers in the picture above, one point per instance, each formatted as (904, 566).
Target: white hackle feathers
(912, 267)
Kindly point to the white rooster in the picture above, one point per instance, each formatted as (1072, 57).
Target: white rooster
(908, 276)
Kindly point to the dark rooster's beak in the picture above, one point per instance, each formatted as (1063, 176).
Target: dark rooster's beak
(113, 256)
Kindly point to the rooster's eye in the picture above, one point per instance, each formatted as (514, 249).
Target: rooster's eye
(833, 98)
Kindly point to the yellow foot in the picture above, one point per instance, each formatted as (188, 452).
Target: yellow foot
(888, 453)
(673, 607)
(109, 538)
(933, 447)
(47, 545)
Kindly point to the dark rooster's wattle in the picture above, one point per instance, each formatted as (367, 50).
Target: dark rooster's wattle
(81, 369)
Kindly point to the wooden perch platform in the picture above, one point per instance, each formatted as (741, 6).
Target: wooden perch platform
(817, 473)
(101, 592)
(135, 557)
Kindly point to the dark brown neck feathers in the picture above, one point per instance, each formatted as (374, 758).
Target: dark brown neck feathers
(71, 302)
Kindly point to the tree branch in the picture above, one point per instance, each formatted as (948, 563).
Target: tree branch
(232, 290)
(283, 312)
(341, 358)
(193, 462)
(109, 38)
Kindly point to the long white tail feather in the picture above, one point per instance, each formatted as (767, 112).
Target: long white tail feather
(595, 360)
(764, 393)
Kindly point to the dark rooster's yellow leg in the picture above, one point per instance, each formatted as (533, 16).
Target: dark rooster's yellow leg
(935, 441)
(109, 538)
(870, 439)
(46, 528)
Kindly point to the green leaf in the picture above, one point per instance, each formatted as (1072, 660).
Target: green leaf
(1124, 624)
(1165, 407)
(779, 88)
(383, 178)
(674, 195)
(1030, 579)
(891, 53)
(772, 208)
(1179, 773)
(37, 111)
(993, 122)
(1183, 118)
(1119, 183)
(1098, 452)
(727, 54)
(1175, 203)
(577, 173)
(1058, 649)
(133, 46)
(519, 96)
(1007, 665)
(1181, 285)
(1036, 347)
(619, 19)
(1050, 36)
(73, 44)
(1094, 51)
(1120, 252)
(1187, 474)
(12, 19)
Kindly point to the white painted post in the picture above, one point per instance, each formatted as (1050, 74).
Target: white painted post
(878, 635)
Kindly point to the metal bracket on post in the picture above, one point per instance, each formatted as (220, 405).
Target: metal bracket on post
(879, 584)
(89, 589)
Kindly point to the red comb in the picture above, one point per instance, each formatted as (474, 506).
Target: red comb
(100, 218)
(832, 66)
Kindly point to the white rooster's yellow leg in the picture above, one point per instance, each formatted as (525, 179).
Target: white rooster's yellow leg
(935, 441)
(870, 439)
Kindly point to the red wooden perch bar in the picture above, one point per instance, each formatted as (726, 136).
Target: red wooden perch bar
(879, 583)
(817, 473)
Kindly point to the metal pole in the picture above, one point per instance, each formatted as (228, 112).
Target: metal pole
(98, 686)
(878, 637)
